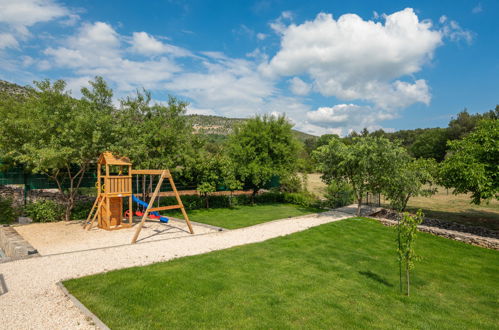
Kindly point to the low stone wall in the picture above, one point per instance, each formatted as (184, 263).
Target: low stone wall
(14, 245)
(485, 242)
(16, 192)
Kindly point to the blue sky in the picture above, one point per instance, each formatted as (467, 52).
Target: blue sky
(330, 66)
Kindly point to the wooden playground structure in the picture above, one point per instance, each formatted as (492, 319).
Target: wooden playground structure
(112, 188)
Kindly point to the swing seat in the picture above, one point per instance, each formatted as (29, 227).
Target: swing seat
(139, 214)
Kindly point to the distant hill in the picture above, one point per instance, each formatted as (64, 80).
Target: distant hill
(13, 89)
(217, 125)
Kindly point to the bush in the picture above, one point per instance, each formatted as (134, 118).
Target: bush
(291, 184)
(81, 210)
(339, 194)
(8, 213)
(305, 199)
(45, 211)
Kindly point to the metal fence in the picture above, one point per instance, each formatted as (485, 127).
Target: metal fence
(20, 176)
(371, 199)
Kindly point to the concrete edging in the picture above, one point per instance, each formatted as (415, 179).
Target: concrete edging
(84, 310)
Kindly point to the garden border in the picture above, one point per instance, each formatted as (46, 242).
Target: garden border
(84, 310)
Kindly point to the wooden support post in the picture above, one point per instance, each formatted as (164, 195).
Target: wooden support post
(179, 201)
(146, 212)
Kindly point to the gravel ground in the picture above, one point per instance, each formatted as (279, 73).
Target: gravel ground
(68, 236)
(33, 301)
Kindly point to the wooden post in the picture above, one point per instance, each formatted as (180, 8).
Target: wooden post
(151, 202)
(179, 201)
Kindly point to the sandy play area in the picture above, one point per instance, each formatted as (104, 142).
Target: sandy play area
(69, 236)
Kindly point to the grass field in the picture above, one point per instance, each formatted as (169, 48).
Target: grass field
(339, 275)
(244, 216)
(443, 205)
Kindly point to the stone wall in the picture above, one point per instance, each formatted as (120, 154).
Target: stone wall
(16, 192)
(14, 245)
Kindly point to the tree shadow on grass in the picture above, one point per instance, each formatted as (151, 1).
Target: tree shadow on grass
(375, 277)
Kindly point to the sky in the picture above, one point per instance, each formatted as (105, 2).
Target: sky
(329, 66)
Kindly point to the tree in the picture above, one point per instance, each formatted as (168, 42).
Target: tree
(473, 163)
(52, 133)
(414, 178)
(407, 228)
(261, 148)
(464, 123)
(155, 135)
(368, 164)
(430, 144)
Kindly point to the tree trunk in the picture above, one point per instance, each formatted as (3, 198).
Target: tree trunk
(407, 277)
(400, 258)
(255, 191)
(207, 203)
(359, 205)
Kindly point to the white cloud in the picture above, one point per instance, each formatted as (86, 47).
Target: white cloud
(452, 30)
(25, 13)
(349, 116)
(278, 25)
(17, 16)
(96, 49)
(298, 86)
(146, 44)
(477, 9)
(196, 111)
(231, 86)
(261, 36)
(351, 58)
(7, 40)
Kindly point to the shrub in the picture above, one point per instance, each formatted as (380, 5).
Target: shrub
(305, 199)
(81, 210)
(269, 197)
(45, 211)
(291, 184)
(8, 213)
(339, 194)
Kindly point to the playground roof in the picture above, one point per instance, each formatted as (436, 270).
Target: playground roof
(110, 159)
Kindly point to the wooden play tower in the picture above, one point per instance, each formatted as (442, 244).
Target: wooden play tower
(114, 182)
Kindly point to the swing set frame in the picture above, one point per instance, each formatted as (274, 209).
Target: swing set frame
(111, 189)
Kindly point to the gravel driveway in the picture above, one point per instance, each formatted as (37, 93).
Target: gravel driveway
(33, 301)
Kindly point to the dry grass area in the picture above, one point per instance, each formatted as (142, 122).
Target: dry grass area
(443, 205)
(315, 184)
(457, 208)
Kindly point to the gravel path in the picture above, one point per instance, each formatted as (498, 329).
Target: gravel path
(33, 301)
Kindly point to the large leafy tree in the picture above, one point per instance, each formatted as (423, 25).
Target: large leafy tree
(415, 177)
(52, 133)
(473, 163)
(261, 148)
(155, 135)
(368, 164)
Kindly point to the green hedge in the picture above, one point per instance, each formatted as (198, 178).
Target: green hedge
(44, 211)
(8, 213)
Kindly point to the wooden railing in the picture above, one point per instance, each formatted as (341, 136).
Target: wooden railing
(118, 185)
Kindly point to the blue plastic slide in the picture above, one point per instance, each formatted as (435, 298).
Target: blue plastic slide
(144, 204)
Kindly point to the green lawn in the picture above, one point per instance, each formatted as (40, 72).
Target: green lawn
(339, 275)
(244, 216)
